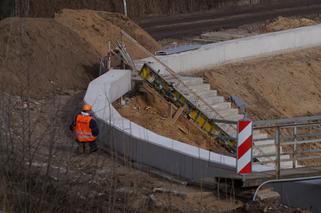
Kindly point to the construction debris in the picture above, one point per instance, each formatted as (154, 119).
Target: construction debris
(174, 192)
(158, 120)
(268, 194)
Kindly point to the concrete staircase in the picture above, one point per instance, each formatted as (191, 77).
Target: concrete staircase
(222, 109)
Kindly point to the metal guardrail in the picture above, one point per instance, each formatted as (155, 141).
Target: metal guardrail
(296, 140)
(286, 122)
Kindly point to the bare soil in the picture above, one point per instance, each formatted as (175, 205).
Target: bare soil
(39, 56)
(284, 23)
(153, 113)
(40, 148)
(285, 85)
(98, 28)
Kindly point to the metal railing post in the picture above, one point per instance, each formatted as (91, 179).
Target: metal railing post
(294, 148)
(278, 152)
(125, 7)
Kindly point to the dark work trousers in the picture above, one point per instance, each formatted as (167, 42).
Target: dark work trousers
(82, 145)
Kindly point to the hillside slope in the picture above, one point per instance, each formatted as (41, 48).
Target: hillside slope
(40, 55)
(286, 85)
(97, 28)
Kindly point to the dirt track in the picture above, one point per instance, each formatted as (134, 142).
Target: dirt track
(182, 26)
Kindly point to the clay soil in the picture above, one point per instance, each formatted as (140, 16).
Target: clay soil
(153, 113)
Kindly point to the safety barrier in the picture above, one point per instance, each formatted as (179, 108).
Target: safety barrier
(211, 55)
(294, 140)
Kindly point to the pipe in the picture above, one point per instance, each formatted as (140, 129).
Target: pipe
(125, 7)
(284, 180)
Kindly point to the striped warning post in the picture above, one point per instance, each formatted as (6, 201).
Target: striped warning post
(244, 147)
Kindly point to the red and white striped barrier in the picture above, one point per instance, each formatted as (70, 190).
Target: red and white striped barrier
(244, 147)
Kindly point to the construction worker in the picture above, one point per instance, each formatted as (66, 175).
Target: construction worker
(85, 128)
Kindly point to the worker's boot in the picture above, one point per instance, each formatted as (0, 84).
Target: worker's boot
(93, 147)
(83, 147)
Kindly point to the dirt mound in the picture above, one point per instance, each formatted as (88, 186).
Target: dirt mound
(63, 53)
(97, 28)
(279, 86)
(37, 55)
(283, 23)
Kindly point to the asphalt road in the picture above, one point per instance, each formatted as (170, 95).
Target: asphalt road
(182, 26)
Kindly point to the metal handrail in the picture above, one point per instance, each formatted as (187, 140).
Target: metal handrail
(287, 122)
(283, 180)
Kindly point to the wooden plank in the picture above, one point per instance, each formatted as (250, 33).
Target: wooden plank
(177, 114)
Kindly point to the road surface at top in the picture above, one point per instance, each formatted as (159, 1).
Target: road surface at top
(187, 25)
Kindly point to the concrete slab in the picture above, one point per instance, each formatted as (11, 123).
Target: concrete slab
(103, 91)
(208, 94)
(267, 194)
(259, 135)
(213, 100)
(211, 55)
(235, 117)
(188, 82)
(201, 87)
(224, 105)
(228, 112)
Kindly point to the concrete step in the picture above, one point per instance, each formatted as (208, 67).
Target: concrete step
(221, 114)
(283, 157)
(264, 142)
(212, 100)
(259, 132)
(259, 136)
(227, 112)
(228, 128)
(187, 81)
(262, 151)
(224, 105)
(286, 165)
(200, 87)
(234, 117)
(207, 93)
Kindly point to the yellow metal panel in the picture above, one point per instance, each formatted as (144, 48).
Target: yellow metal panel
(182, 99)
(207, 127)
(145, 72)
(193, 115)
(201, 121)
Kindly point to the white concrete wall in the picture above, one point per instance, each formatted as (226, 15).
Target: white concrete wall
(107, 88)
(220, 53)
(104, 90)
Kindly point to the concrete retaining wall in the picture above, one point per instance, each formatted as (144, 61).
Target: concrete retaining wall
(301, 194)
(144, 146)
(220, 53)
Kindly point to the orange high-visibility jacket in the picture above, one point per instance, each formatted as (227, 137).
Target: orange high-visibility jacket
(82, 129)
